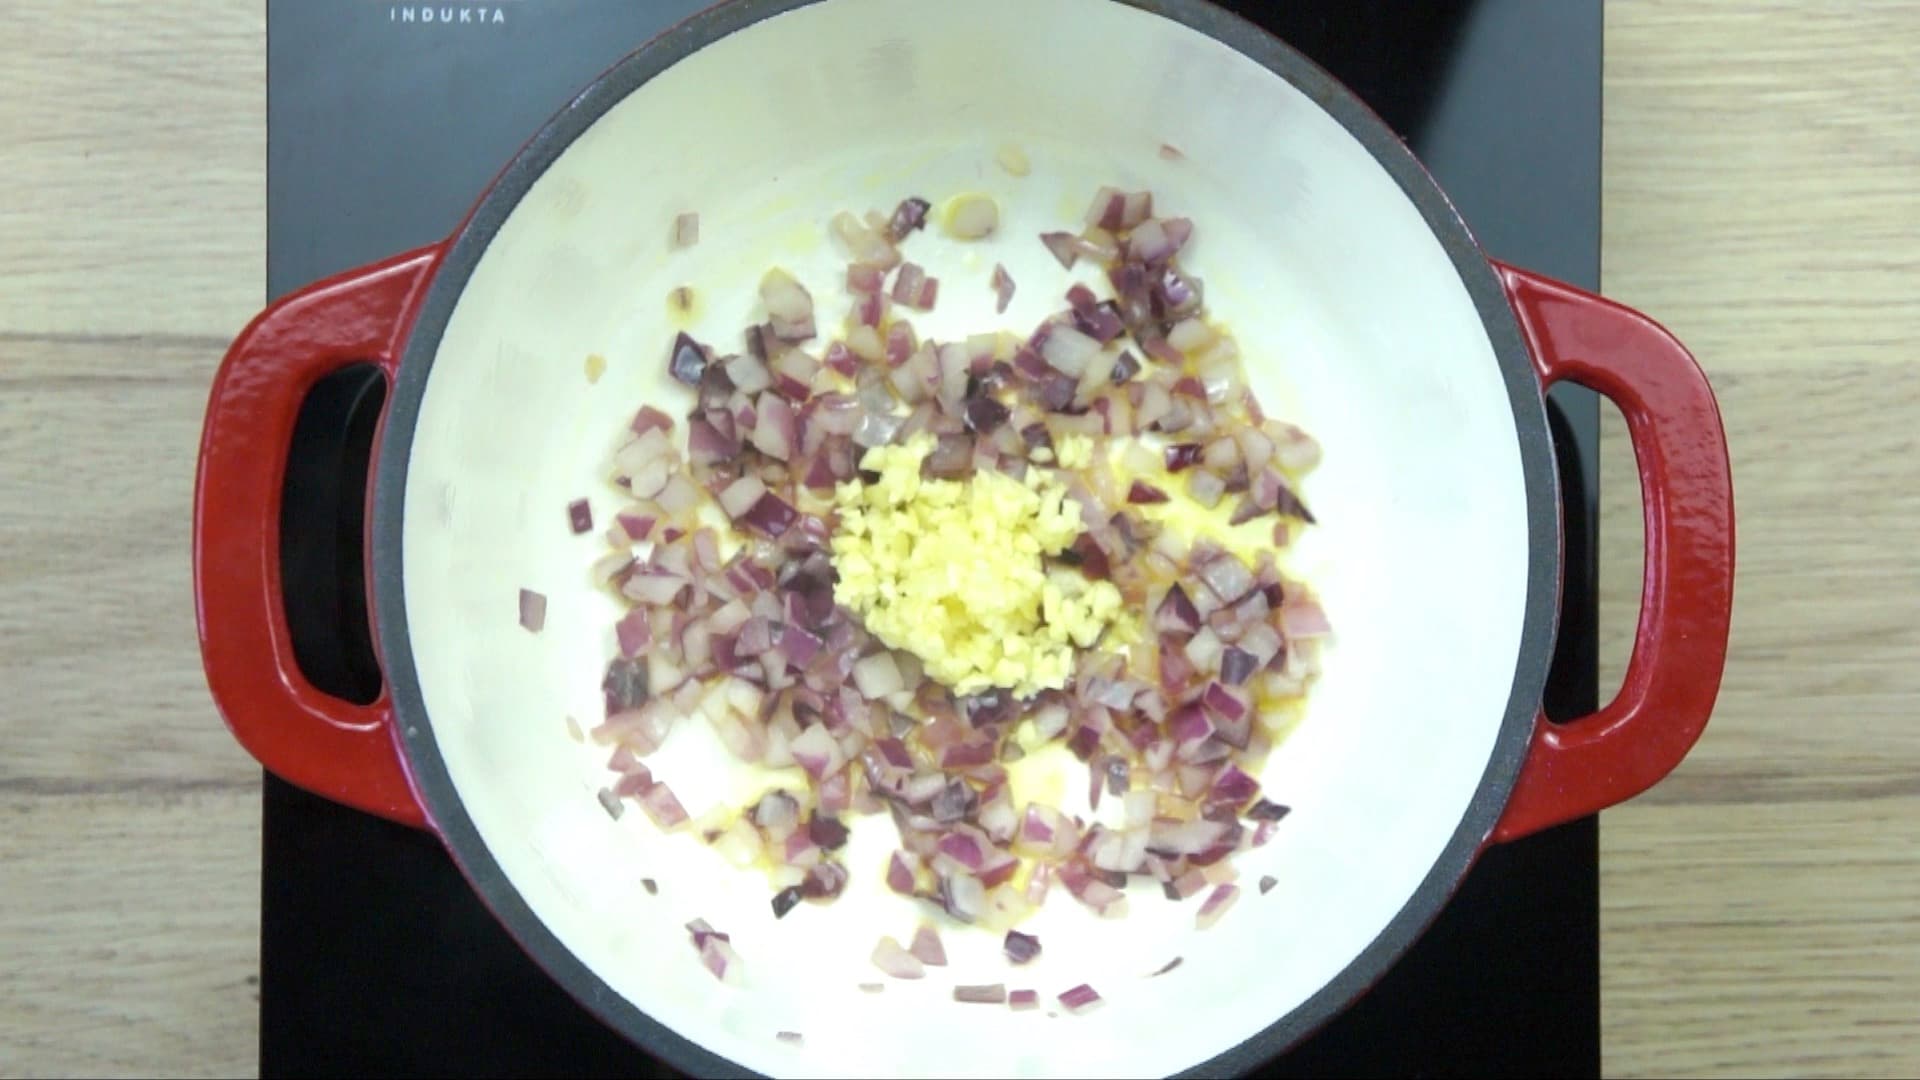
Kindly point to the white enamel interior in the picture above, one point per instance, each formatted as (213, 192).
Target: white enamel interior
(1357, 327)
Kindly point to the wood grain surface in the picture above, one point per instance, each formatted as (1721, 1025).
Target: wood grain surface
(1761, 909)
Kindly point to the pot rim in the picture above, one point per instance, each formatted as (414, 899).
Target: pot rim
(434, 786)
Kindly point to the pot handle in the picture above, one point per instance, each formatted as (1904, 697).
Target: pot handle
(335, 748)
(1686, 600)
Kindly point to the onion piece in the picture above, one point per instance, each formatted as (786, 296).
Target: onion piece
(686, 229)
(1080, 999)
(679, 497)
(867, 246)
(817, 751)
(1066, 349)
(772, 516)
(660, 804)
(686, 361)
(1304, 619)
(611, 803)
(963, 896)
(1108, 208)
(533, 610)
(1144, 493)
(900, 876)
(1237, 665)
(1266, 810)
(1020, 948)
(910, 215)
(1063, 247)
(718, 956)
(789, 306)
(1233, 787)
(1267, 882)
(927, 947)
(741, 496)
(1170, 838)
(776, 432)
(1023, 1000)
(748, 374)
(1002, 288)
(889, 957)
(992, 994)
(877, 676)
(914, 288)
(580, 516)
(1216, 905)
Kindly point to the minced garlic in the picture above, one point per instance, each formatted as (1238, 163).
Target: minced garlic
(952, 571)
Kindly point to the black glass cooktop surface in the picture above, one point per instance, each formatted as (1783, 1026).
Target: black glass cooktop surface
(385, 120)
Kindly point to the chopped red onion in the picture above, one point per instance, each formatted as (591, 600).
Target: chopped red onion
(964, 897)
(911, 214)
(748, 374)
(1304, 619)
(1002, 288)
(1171, 838)
(775, 433)
(793, 1037)
(776, 810)
(1020, 948)
(889, 957)
(1182, 455)
(927, 947)
(1066, 349)
(877, 429)
(718, 956)
(686, 229)
(771, 516)
(963, 849)
(1080, 999)
(1168, 966)
(687, 361)
(908, 285)
(877, 675)
(1234, 787)
(634, 632)
(793, 372)
(1228, 577)
(1063, 246)
(1225, 702)
(741, 496)
(1108, 208)
(900, 877)
(661, 805)
(816, 751)
(1023, 1000)
(1143, 493)
(611, 803)
(580, 516)
(1216, 905)
(533, 610)
(789, 307)
(993, 994)
(1237, 665)
(1265, 810)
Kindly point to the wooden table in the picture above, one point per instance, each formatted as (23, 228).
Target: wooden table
(1762, 198)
